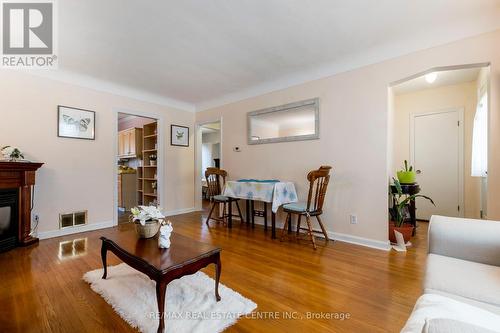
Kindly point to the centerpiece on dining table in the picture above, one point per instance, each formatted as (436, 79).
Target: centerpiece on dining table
(148, 220)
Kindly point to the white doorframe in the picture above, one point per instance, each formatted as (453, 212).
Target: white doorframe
(461, 160)
(160, 161)
(197, 161)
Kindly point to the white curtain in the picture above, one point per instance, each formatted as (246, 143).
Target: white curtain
(480, 139)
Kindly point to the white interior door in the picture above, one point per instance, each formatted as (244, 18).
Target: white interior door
(437, 155)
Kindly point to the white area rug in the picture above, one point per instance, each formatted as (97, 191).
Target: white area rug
(190, 303)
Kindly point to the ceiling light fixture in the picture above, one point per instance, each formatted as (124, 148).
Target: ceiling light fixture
(431, 77)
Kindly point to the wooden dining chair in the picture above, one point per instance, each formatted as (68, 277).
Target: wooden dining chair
(318, 184)
(216, 179)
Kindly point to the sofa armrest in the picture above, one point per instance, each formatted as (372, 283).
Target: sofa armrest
(467, 239)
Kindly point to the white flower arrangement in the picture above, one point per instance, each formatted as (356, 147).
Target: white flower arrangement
(146, 213)
(11, 153)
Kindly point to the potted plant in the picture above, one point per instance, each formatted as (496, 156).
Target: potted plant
(407, 175)
(147, 220)
(152, 159)
(12, 153)
(399, 212)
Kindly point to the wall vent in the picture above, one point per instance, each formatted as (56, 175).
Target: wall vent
(75, 219)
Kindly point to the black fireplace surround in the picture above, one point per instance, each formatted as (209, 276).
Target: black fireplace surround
(9, 209)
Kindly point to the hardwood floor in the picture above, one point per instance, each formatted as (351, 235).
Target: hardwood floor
(41, 288)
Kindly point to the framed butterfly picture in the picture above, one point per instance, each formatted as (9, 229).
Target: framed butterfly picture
(179, 136)
(75, 123)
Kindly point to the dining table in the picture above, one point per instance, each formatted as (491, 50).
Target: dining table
(271, 191)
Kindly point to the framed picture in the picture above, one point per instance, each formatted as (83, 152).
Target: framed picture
(75, 123)
(179, 136)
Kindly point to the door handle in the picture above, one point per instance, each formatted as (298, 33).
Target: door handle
(419, 172)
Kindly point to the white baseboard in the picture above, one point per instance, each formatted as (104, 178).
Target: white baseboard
(372, 243)
(96, 226)
(180, 211)
(75, 230)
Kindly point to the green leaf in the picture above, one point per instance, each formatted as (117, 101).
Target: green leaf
(414, 196)
(398, 186)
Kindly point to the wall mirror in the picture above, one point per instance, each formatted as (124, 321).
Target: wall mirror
(290, 122)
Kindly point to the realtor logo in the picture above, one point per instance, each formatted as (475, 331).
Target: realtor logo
(28, 34)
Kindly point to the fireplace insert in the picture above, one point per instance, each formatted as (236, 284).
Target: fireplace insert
(9, 220)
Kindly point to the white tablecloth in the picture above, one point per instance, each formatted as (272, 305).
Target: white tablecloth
(279, 193)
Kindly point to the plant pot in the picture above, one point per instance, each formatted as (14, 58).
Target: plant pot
(407, 177)
(148, 230)
(152, 163)
(406, 229)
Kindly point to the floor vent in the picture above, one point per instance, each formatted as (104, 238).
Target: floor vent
(72, 219)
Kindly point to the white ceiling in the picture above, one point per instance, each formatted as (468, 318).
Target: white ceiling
(210, 128)
(125, 116)
(122, 117)
(195, 54)
(443, 78)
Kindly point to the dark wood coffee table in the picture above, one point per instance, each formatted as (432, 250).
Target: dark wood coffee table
(184, 257)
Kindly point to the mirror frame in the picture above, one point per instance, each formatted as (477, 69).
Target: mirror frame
(314, 102)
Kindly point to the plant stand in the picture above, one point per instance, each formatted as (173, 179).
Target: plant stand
(409, 189)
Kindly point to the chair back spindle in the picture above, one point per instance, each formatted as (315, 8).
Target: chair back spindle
(214, 184)
(318, 184)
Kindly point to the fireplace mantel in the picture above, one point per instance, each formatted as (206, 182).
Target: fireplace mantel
(21, 176)
(28, 166)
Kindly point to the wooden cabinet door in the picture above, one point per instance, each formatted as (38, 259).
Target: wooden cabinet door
(130, 143)
(121, 150)
(126, 143)
(138, 142)
(131, 140)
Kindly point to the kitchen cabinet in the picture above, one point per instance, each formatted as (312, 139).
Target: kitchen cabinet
(130, 143)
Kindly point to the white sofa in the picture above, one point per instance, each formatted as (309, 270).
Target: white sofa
(462, 280)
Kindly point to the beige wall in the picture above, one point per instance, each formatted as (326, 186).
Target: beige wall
(458, 96)
(80, 174)
(354, 134)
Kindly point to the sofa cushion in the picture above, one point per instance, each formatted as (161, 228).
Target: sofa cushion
(445, 325)
(466, 239)
(485, 306)
(468, 279)
(431, 306)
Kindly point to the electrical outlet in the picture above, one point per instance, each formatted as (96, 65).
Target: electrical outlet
(34, 226)
(354, 219)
